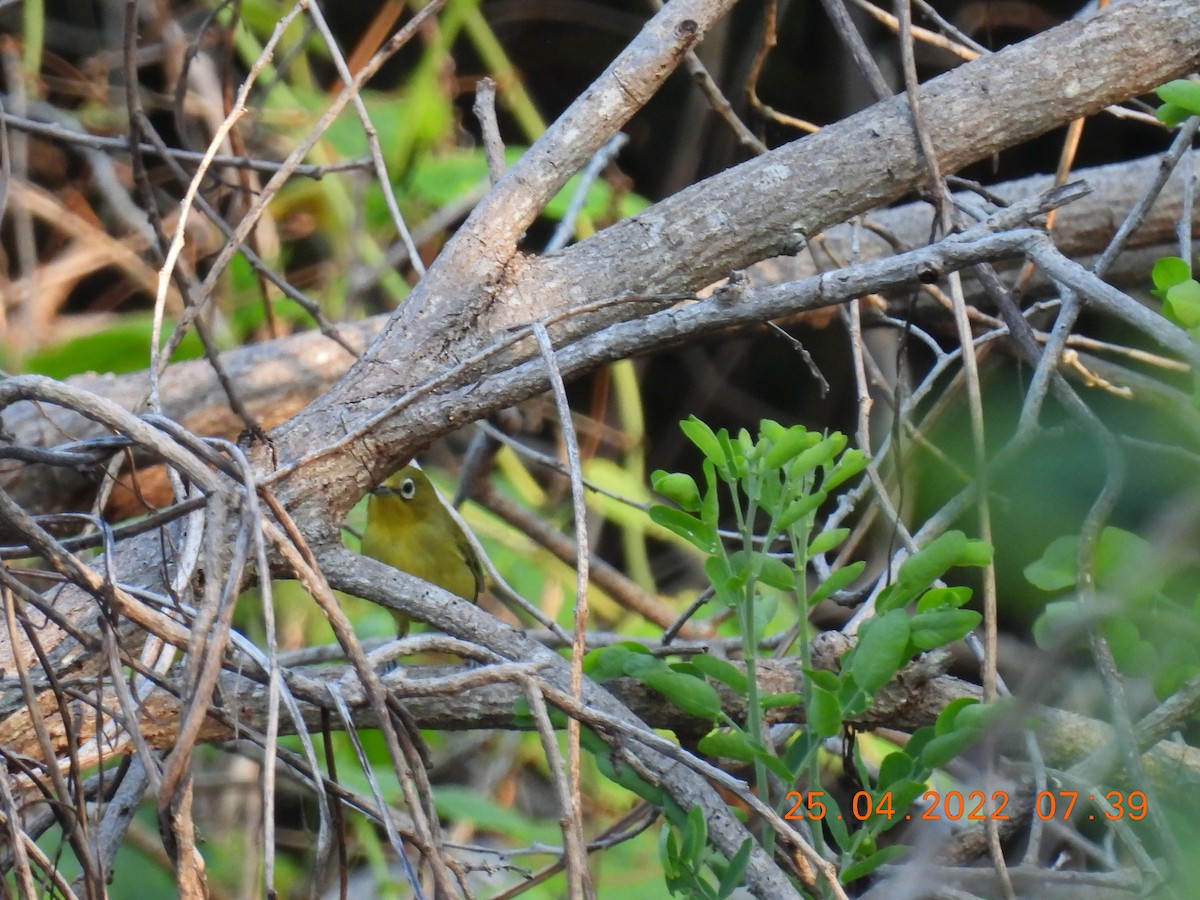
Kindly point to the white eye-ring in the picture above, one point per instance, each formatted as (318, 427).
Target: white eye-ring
(408, 489)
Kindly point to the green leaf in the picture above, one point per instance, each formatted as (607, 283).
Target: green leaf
(943, 598)
(827, 540)
(895, 767)
(678, 487)
(940, 750)
(977, 553)
(816, 455)
(1168, 272)
(1183, 304)
(695, 697)
(917, 742)
(838, 579)
(946, 718)
(800, 753)
(1182, 93)
(598, 202)
(1127, 563)
(982, 716)
(1172, 115)
(453, 803)
(695, 835)
(1124, 562)
(1061, 624)
(123, 346)
(777, 701)
(735, 460)
(624, 775)
(932, 560)
(824, 713)
(438, 179)
(733, 745)
(852, 697)
(768, 490)
(778, 574)
(725, 582)
(775, 765)
(686, 668)
(836, 822)
(607, 663)
(904, 792)
(740, 564)
(721, 670)
(522, 715)
(747, 446)
(852, 462)
(865, 867)
(946, 747)
(1055, 571)
(703, 437)
(731, 878)
(1124, 639)
(668, 855)
(771, 431)
(794, 441)
(919, 571)
(640, 665)
(686, 526)
(880, 651)
(941, 626)
(709, 502)
(799, 508)
(825, 680)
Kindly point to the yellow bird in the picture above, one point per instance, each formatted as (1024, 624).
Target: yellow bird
(410, 528)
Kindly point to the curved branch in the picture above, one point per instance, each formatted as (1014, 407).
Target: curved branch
(759, 209)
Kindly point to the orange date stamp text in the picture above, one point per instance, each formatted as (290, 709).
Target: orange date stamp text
(973, 806)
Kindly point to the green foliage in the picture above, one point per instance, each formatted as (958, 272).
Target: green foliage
(1179, 292)
(930, 563)
(773, 487)
(1171, 275)
(691, 694)
(685, 854)
(1148, 624)
(1181, 99)
(327, 229)
(465, 805)
(443, 178)
(122, 347)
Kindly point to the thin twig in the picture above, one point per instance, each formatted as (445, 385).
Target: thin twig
(974, 404)
(852, 38)
(56, 132)
(602, 157)
(485, 112)
(579, 879)
(382, 177)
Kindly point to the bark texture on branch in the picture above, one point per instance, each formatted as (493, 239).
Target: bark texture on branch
(759, 209)
(276, 379)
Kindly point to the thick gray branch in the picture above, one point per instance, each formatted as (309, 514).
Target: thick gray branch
(759, 209)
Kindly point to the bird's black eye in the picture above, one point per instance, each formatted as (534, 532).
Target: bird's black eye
(408, 489)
